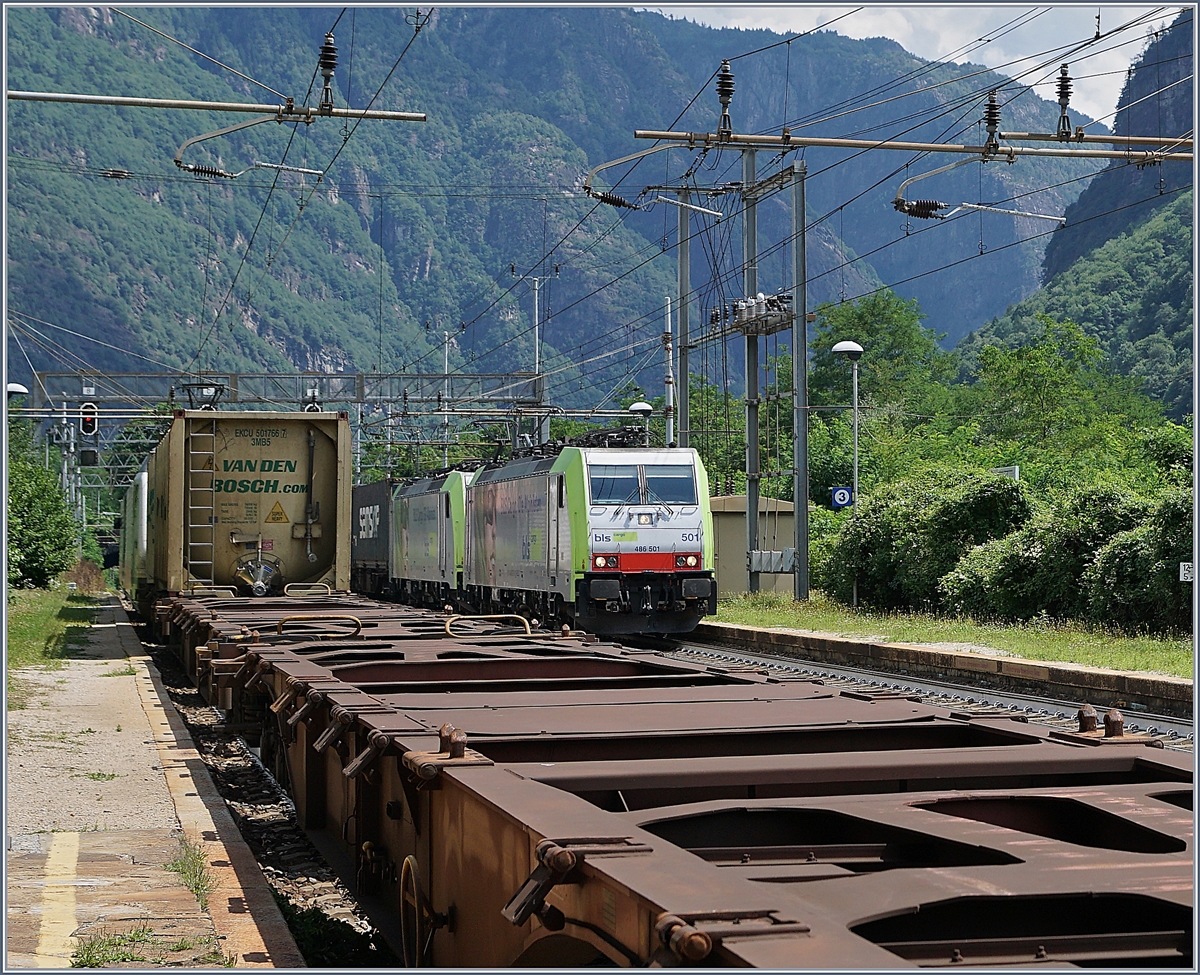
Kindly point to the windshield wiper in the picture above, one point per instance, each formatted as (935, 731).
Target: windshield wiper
(653, 497)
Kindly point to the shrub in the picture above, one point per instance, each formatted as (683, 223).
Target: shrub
(1134, 584)
(1039, 569)
(42, 537)
(910, 534)
(992, 581)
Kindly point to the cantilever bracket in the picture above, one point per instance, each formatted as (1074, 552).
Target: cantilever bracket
(212, 170)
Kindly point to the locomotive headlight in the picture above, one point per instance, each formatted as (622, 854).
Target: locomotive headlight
(605, 561)
(692, 561)
(686, 561)
(680, 561)
(646, 519)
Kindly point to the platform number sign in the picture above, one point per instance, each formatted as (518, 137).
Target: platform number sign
(1187, 572)
(842, 497)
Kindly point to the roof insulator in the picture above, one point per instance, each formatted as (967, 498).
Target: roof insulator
(327, 63)
(724, 96)
(1064, 99)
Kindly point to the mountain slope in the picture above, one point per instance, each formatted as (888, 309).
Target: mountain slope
(1157, 100)
(1134, 294)
(412, 232)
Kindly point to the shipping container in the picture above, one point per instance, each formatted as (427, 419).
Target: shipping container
(371, 536)
(249, 500)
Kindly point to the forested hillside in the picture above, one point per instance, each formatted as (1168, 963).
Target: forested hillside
(1134, 294)
(1157, 100)
(414, 228)
(1121, 267)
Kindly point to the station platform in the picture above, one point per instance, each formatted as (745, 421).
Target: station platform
(1100, 687)
(104, 790)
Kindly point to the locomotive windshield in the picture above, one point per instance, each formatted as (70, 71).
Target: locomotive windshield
(642, 484)
(671, 483)
(614, 484)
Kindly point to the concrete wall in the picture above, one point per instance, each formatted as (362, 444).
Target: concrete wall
(776, 530)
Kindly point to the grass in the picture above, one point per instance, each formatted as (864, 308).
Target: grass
(1037, 640)
(45, 626)
(102, 949)
(126, 671)
(100, 776)
(191, 863)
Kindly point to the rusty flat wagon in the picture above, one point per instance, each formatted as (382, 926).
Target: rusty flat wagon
(503, 798)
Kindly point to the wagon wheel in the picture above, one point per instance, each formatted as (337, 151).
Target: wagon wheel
(414, 915)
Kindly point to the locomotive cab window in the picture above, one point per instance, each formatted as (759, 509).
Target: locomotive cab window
(642, 484)
(614, 484)
(670, 483)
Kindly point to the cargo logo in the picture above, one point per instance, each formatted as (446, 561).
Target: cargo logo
(261, 466)
(257, 486)
(368, 521)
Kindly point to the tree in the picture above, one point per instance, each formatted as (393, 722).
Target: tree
(42, 535)
(902, 362)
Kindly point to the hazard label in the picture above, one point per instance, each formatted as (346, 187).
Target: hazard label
(277, 517)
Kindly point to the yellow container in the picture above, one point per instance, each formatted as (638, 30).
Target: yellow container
(249, 500)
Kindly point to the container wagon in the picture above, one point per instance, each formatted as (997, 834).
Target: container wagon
(247, 501)
(501, 798)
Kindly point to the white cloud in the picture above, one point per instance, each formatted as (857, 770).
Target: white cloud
(940, 32)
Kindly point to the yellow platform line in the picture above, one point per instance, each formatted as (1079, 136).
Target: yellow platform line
(58, 903)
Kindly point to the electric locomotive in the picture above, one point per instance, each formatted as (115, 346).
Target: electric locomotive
(612, 540)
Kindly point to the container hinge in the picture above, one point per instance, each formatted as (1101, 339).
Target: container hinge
(691, 937)
(557, 858)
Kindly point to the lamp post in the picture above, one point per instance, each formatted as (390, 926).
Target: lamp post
(853, 351)
(643, 409)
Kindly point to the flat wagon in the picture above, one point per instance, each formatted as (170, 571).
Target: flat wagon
(498, 797)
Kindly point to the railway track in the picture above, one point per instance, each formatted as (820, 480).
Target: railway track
(331, 928)
(1175, 732)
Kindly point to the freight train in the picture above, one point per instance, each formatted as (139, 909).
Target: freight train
(497, 797)
(608, 539)
(611, 540)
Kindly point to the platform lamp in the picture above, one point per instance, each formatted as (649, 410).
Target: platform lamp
(852, 351)
(16, 389)
(643, 409)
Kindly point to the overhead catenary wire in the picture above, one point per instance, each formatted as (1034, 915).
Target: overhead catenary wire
(739, 55)
(175, 40)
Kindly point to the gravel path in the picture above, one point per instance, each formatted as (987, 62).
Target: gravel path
(81, 755)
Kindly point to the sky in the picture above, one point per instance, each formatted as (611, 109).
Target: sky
(937, 32)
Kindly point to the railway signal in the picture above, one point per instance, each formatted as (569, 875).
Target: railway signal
(89, 422)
